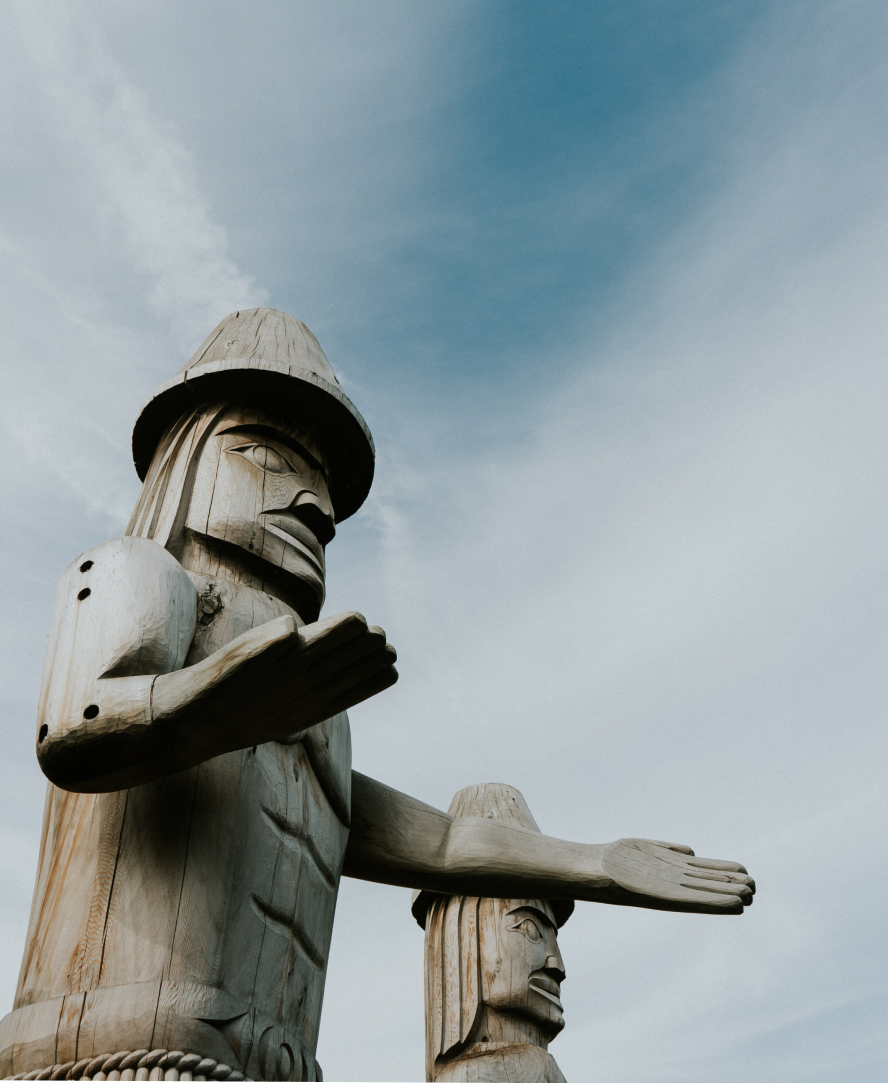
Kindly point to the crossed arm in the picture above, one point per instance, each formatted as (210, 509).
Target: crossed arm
(119, 707)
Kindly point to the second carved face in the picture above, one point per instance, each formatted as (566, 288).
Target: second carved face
(521, 965)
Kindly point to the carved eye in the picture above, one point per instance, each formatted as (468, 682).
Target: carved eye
(530, 929)
(266, 458)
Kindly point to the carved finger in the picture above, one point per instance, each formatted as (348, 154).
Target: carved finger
(330, 633)
(714, 904)
(682, 898)
(365, 668)
(712, 863)
(378, 683)
(338, 665)
(309, 702)
(669, 853)
(741, 891)
(724, 877)
(712, 899)
(678, 847)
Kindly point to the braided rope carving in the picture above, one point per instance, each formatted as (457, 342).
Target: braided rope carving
(139, 1064)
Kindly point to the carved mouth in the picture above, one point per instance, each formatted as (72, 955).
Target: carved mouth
(296, 534)
(547, 988)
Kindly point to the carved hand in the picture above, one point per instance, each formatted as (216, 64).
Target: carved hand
(668, 876)
(275, 680)
(267, 684)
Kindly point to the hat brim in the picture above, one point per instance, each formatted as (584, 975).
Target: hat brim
(422, 901)
(348, 445)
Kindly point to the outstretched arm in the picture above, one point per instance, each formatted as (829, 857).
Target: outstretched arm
(396, 839)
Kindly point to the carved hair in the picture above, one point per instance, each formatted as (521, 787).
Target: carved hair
(453, 975)
(455, 968)
(162, 506)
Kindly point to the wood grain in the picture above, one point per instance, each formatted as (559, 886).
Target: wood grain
(202, 806)
(493, 969)
(195, 911)
(127, 712)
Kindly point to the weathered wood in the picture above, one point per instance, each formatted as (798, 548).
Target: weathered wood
(118, 709)
(396, 839)
(202, 807)
(189, 868)
(493, 968)
(502, 1062)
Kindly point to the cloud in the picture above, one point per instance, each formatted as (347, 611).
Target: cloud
(140, 174)
(645, 585)
(660, 611)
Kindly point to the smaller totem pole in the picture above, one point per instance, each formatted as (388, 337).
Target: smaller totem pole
(493, 970)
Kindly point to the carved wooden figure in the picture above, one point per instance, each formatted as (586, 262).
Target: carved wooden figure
(493, 970)
(192, 725)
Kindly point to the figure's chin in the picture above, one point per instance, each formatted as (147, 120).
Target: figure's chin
(546, 1009)
(295, 578)
(298, 539)
(545, 1013)
(292, 559)
(307, 586)
(305, 571)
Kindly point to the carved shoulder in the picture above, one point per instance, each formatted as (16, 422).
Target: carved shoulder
(124, 609)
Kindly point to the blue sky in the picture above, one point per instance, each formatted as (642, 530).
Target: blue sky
(608, 283)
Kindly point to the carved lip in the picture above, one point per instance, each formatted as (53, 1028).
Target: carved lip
(546, 987)
(294, 532)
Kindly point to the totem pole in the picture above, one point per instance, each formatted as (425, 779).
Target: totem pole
(201, 805)
(493, 970)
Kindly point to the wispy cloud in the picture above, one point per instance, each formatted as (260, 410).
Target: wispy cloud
(143, 179)
(661, 612)
(648, 589)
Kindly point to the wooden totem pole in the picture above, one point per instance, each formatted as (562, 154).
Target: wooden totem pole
(201, 805)
(493, 970)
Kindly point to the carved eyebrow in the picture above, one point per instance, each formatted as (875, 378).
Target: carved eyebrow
(536, 913)
(282, 438)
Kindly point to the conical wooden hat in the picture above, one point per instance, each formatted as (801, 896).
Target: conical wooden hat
(265, 353)
(492, 801)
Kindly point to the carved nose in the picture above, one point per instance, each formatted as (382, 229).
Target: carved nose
(317, 514)
(555, 968)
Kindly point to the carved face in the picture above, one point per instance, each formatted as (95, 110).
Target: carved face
(262, 485)
(521, 965)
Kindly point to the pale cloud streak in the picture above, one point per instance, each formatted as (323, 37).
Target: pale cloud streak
(659, 611)
(143, 178)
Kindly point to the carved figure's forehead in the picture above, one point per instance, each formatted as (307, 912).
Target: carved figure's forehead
(268, 419)
(538, 908)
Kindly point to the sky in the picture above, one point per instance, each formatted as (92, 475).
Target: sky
(608, 283)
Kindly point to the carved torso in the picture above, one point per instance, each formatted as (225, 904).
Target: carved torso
(194, 913)
(501, 1062)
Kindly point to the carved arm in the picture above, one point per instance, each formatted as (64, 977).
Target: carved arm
(396, 839)
(117, 708)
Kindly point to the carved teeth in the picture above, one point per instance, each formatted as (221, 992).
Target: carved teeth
(288, 532)
(544, 992)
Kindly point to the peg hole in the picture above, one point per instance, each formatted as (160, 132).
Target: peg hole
(91, 711)
(41, 736)
(85, 593)
(86, 565)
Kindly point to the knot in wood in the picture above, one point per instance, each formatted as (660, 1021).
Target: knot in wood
(209, 604)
